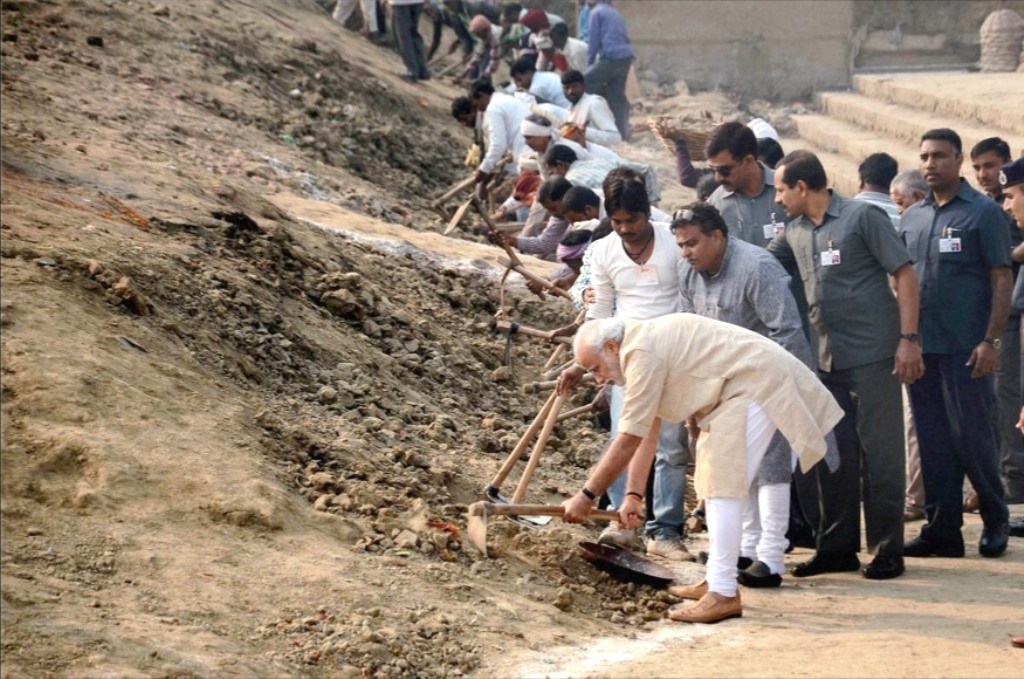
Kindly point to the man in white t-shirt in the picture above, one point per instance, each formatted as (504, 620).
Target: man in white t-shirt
(542, 85)
(633, 275)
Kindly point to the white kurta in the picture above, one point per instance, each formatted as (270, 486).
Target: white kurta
(502, 120)
(592, 112)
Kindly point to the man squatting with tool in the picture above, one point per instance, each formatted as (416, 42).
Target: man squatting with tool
(735, 388)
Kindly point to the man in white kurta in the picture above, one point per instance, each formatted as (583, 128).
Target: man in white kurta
(503, 117)
(589, 111)
(734, 385)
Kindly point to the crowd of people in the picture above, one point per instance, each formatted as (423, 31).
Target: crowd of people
(810, 352)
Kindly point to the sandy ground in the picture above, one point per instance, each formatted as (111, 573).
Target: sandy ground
(248, 390)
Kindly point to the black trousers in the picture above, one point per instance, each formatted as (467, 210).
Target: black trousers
(872, 463)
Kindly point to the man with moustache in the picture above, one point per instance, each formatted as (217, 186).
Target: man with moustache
(961, 249)
(866, 343)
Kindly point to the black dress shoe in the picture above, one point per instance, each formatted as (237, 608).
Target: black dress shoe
(741, 563)
(884, 568)
(759, 575)
(919, 547)
(828, 562)
(993, 540)
(1017, 528)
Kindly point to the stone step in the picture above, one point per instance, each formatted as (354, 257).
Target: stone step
(978, 99)
(841, 170)
(855, 143)
(905, 124)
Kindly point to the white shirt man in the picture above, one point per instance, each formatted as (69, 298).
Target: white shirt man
(548, 86)
(592, 113)
(630, 287)
(502, 121)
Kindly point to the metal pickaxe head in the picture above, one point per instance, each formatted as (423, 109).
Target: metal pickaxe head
(480, 512)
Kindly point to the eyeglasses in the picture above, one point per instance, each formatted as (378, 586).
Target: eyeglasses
(723, 170)
(588, 371)
(685, 215)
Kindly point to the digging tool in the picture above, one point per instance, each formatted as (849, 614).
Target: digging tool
(480, 513)
(576, 412)
(508, 227)
(560, 350)
(517, 329)
(530, 276)
(493, 226)
(458, 216)
(557, 355)
(453, 191)
(557, 370)
(626, 566)
(536, 387)
(493, 488)
(538, 447)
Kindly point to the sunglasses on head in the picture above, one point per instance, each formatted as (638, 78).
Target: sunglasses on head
(685, 215)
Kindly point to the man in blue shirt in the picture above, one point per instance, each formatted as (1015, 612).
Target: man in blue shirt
(608, 60)
(961, 250)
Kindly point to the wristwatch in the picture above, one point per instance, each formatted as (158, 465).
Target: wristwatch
(910, 337)
(994, 341)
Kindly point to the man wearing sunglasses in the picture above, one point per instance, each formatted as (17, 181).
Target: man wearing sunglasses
(746, 195)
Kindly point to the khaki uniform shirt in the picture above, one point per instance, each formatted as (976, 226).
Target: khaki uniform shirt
(683, 365)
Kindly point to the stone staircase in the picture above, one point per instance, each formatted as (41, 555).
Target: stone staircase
(890, 113)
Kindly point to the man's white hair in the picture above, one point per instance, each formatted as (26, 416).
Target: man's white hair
(909, 182)
(593, 334)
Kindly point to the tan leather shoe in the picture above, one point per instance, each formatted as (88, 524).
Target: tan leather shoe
(692, 591)
(711, 608)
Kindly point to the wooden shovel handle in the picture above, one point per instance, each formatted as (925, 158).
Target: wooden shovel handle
(538, 447)
(497, 509)
(523, 444)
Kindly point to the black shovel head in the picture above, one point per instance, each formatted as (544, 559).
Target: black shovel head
(626, 566)
(491, 494)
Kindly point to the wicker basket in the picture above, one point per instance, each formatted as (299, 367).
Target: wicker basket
(695, 131)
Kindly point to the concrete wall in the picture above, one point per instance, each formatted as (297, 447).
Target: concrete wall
(929, 33)
(787, 49)
(773, 49)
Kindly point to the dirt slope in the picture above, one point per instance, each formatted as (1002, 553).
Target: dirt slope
(248, 390)
(235, 443)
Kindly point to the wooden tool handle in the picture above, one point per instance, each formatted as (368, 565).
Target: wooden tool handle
(480, 208)
(530, 276)
(530, 332)
(496, 509)
(454, 190)
(523, 444)
(576, 412)
(538, 447)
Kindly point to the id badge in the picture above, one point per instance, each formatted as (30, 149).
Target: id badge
(830, 257)
(772, 230)
(949, 245)
(647, 276)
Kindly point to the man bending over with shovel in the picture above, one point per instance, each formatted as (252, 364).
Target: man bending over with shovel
(736, 387)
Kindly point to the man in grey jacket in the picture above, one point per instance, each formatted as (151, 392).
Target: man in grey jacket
(725, 278)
